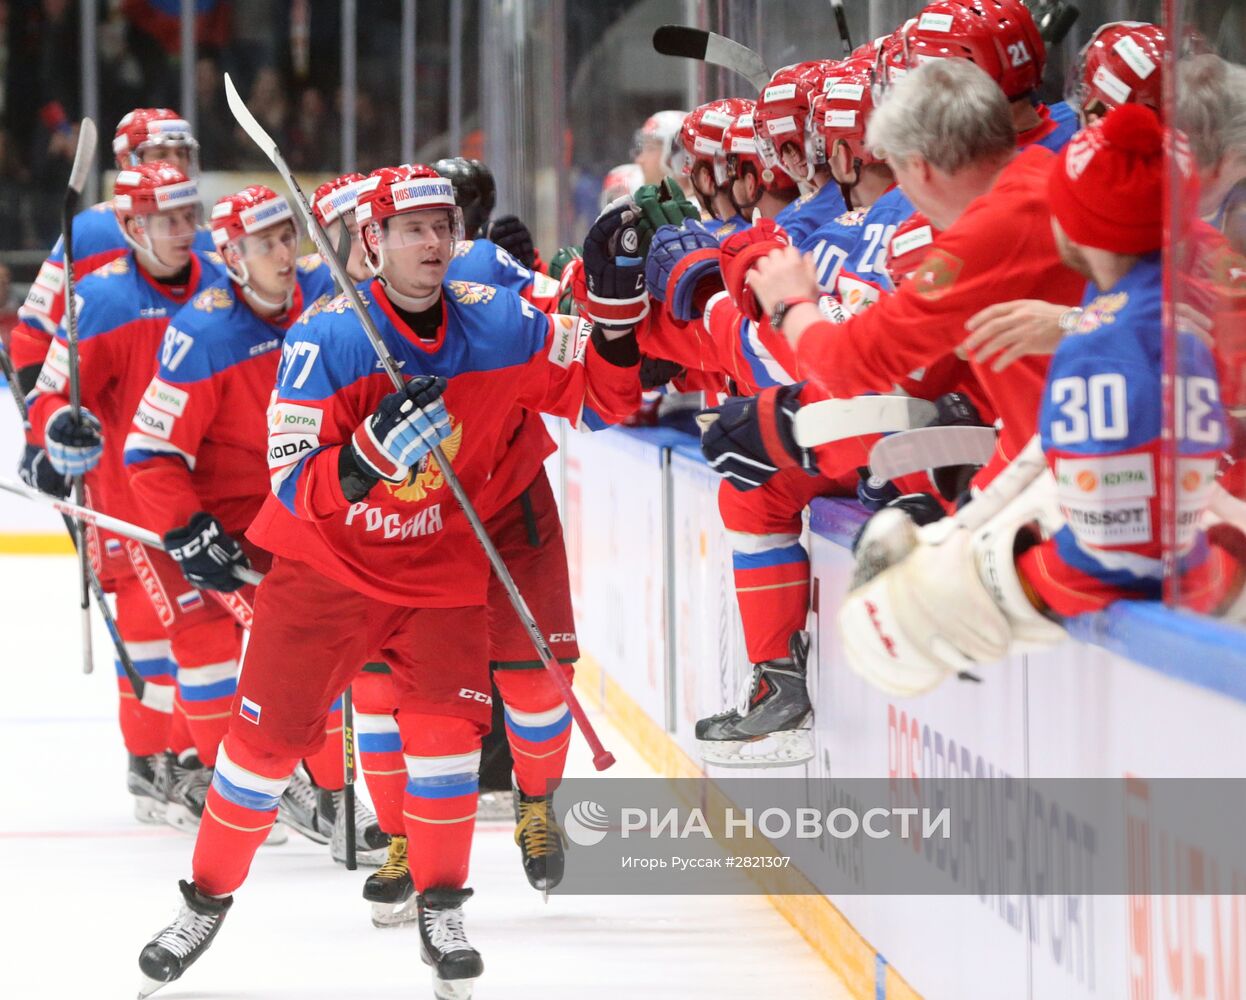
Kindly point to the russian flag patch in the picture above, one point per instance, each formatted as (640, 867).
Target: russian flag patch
(190, 600)
(250, 711)
(112, 547)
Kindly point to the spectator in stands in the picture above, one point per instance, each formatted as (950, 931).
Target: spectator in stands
(315, 137)
(267, 101)
(214, 125)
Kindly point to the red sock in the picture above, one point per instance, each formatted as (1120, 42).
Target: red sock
(538, 727)
(207, 676)
(772, 586)
(240, 810)
(379, 747)
(443, 764)
(145, 730)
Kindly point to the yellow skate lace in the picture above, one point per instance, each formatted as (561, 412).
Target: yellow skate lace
(396, 865)
(536, 830)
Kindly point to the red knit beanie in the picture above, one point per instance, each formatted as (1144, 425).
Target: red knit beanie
(1107, 185)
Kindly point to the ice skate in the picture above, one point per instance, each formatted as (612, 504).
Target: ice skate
(371, 842)
(176, 948)
(150, 790)
(540, 840)
(771, 727)
(444, 946)
(306, 808)
(188, 792)
(389, 888)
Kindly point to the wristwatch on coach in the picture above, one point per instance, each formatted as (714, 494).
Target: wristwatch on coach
(1070, 318)
(779, 312)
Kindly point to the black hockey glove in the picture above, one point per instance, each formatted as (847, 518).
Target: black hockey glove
(36, 471)
(656, 372)
(610, 283)
(510, 233)
(749, 438)
(206, 555)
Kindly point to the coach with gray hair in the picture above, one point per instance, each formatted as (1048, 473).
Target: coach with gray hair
(946, 131)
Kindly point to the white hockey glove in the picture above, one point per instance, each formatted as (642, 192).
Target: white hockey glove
(952, 602)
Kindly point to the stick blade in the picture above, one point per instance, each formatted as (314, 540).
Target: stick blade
(84, 156)
(681, 41)
(931, 448)
(242, 115)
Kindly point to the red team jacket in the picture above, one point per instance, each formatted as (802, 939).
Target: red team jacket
(199, 435)
(395, 544)
(122, 317)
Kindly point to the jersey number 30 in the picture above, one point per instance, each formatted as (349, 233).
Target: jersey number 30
(1097, 408)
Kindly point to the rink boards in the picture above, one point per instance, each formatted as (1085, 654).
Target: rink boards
(664, 648)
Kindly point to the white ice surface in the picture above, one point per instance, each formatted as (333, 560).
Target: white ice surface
(83, 886)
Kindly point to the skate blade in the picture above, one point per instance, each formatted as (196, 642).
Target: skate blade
(793, 746)
(149, 810)
(386, 915)
(452, 989)
(181, 819)
(149, 986)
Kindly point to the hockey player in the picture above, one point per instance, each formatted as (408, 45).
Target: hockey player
(1000, 37)
(1122, 63)
(363, 530)
(125, 309)
(699, 157)
(145, 135)
(785, 141)
(755, 188)
(196, 451)
(974, 587)
(653, 145)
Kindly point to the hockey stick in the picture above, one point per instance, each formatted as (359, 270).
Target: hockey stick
(684, 42)
(931, 448)
(348, 777)
(602, 758)
(841, 22)
(835, 419)
(84, 160)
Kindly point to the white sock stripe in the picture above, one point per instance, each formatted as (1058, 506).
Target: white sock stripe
(375, 724)
(209, 673)
(432, 767)
(744, 542)
(240, 776)
(536, 719)
(157, 649)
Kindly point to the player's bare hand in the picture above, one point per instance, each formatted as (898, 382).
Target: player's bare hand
(784, 273)
(1007, 331)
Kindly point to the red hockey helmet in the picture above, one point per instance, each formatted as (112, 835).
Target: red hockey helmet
(908, 246)
(149, 188)
(999, 36)
(782, 111)
(336, 198)
(247, 212)
(701, 134)
(391, 191)
(890, 62)
(740, 148)
(844, 111)
(143, 128)
(1121, 64)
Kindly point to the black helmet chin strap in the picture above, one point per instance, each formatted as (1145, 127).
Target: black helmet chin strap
(846, 188)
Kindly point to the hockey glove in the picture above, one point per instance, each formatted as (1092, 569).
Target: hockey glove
(206, 554)
(36, 471)
(740, 251)
(679, 260)
(74, 446)
(510, 233)
(562, 269)
(610, 281)
(748, 439)
(657, 372)
(661, 205)
(405, 427)
(562, 257)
